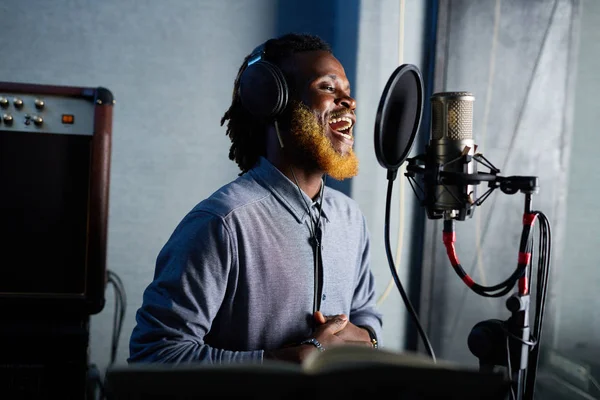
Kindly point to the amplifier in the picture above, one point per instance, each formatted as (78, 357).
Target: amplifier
(55, 147)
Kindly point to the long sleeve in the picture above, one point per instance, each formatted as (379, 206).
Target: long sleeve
(236, 277)
(179, 306)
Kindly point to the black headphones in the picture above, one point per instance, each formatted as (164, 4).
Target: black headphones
(262, 87)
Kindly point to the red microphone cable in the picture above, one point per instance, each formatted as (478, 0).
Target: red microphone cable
(499, 290)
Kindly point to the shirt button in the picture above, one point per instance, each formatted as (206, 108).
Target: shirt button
(323, 297)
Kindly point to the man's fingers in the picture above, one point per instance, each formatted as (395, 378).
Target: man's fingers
(320, 318)
(336, 323)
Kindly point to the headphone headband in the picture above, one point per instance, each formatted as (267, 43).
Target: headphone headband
(256, 55)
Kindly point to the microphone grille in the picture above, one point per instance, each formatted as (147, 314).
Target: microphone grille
(460, 119)
(452, 115)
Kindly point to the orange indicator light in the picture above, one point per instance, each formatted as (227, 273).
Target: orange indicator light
(68, 118)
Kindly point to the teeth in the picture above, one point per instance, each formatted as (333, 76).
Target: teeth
(346, 135)
(342, 119)
(346, 119)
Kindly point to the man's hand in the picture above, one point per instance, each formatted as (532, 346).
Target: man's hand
(325, 334)
(350, 334)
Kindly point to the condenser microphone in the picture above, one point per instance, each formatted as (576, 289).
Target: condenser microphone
(448, 157)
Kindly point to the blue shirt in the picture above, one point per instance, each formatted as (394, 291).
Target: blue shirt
(236, 277)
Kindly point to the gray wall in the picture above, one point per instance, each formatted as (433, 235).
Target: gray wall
(171, 66)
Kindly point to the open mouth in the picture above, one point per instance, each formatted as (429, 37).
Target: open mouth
(342, 125)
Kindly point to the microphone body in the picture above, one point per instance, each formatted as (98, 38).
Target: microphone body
(449, 157)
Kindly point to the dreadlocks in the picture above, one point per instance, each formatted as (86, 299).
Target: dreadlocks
(247, 134)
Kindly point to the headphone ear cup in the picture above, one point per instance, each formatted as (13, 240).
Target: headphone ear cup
(263, 90)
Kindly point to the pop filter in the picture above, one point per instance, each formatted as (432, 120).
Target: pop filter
(398, 116)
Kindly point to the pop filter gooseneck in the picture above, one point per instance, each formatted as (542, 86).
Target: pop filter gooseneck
(396, 125)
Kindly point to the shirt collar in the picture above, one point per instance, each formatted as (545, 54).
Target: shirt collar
(287, 191)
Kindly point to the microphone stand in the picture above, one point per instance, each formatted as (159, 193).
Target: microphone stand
(486, 342)
(495, 342)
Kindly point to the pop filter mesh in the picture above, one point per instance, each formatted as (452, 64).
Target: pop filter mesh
(399, 116)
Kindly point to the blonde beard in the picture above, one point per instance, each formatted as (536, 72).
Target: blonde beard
(310, 138)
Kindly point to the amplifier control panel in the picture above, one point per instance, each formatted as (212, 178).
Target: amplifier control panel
(46, 114)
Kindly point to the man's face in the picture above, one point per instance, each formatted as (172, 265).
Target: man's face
(323, 117)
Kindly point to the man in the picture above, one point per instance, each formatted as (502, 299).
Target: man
(272, 265)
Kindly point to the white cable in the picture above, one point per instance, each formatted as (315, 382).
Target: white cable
(402, 190)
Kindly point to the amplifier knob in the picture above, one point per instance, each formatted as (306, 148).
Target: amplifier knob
(37, 120)
(39, 104)
(18, 102)
(8, 119)
(3, 102)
